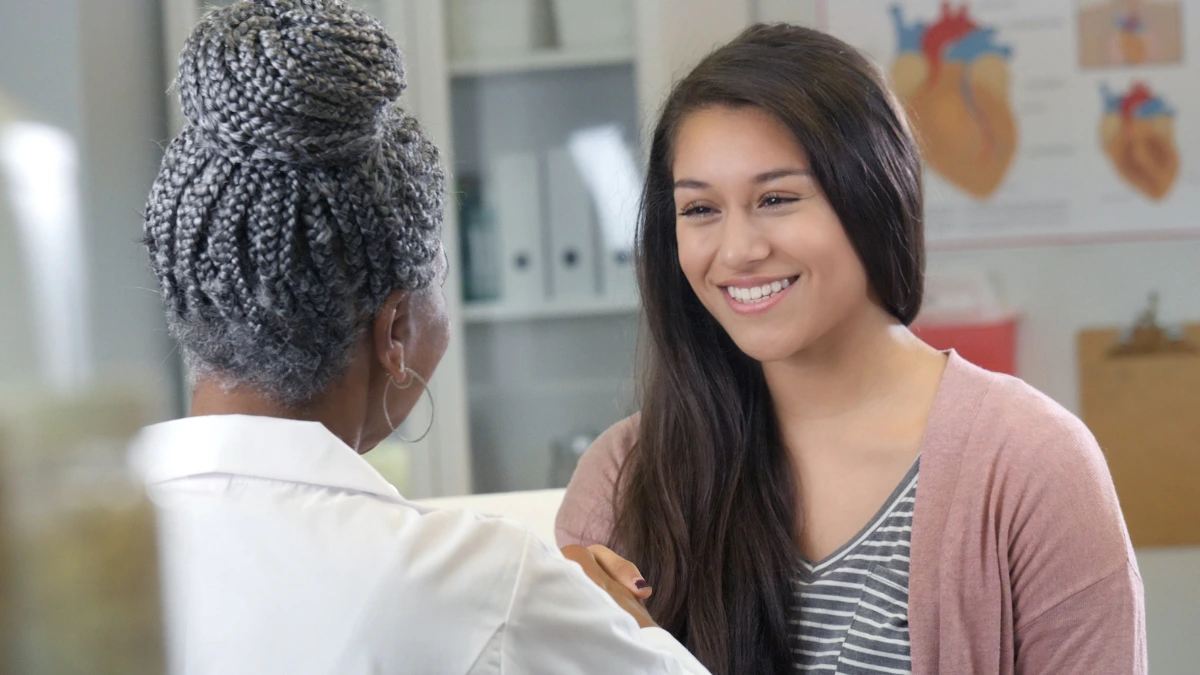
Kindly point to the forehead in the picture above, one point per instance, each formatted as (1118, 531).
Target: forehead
(734, 141)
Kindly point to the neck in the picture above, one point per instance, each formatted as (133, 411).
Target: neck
(333, 408)
(866, 359)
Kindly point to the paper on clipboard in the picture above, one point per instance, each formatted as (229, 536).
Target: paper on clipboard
(1140, 395)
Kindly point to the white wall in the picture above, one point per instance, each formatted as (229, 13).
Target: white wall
(1060, 290)
(93, 69)
(39, 59)
(124, 97)
(26, 28)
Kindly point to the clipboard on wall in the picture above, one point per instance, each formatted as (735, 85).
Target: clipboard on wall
(1140, 395)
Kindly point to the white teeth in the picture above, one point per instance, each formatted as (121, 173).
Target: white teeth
(757, 293)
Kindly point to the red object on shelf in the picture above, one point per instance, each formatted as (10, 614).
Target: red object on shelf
(991, 345)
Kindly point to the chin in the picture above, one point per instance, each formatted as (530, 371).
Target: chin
(766, 349)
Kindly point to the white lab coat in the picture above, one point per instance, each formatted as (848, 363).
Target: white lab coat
(285, 553)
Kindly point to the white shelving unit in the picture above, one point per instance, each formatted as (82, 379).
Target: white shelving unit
(495, 312)
(550, 59)
(538, 368)
(519, 373)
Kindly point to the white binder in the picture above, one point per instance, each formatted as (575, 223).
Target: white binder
(611, 176)
(620, 277)
(512, 190)
(572, 264)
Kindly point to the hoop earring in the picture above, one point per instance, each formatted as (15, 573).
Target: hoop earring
(411, 376)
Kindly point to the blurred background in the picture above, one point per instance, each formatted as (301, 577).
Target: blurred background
(542, 108)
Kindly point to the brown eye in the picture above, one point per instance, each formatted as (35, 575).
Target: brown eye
(773, 201)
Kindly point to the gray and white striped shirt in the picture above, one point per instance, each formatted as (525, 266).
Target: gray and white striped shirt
(850, 611)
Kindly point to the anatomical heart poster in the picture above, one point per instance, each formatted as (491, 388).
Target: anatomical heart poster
(1044, 119)
(1130, 32)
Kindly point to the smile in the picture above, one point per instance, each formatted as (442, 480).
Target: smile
(759, 297)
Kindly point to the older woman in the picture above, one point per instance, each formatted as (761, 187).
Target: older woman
(294, 228)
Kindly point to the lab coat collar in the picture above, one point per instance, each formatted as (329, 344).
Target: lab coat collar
(258, 447)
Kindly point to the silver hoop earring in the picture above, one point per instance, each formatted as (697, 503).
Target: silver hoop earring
(412, 377)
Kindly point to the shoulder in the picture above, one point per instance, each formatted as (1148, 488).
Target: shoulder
(609, 450)
(587, 512)
(463, 561)
(426, 588)
(462, 530)
(1007, 449)
(1008, 422)
(1039, 470)
(1037, 452)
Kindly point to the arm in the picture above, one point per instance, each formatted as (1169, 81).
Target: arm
(1100, 630)
(587, 512)
(1078, 603)
(561, 622)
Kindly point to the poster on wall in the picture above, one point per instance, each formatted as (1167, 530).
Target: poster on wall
(1044, 120)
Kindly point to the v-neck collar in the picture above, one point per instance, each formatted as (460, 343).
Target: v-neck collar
(811, 571)
(937, 428)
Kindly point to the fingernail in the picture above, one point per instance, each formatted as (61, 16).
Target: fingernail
(641, 584)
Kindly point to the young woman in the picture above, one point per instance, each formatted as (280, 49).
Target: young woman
(295, 228)
(808, 485)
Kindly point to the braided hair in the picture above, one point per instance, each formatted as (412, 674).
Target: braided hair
(295, 199)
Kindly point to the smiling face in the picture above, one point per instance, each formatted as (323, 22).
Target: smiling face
(759, 243)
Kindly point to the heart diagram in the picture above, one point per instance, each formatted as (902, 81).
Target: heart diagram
(1129, 32)
(953, 78)
(1130, 38)
(1137, 133)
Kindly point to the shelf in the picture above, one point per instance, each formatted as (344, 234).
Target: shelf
(494, 312)
(546, 59)
(547, 388)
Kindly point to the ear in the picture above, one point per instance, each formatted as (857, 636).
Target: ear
(391, 329)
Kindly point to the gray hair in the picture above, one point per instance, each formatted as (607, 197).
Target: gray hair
(296, 198)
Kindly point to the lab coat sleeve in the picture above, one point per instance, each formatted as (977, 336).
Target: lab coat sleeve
(560, 623)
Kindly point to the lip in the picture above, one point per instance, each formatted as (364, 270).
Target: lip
(747, 309)
(751, 282)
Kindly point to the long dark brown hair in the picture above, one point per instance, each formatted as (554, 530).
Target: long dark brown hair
(706, 499)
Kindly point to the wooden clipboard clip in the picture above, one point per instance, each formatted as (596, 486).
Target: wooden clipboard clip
(1148, 336)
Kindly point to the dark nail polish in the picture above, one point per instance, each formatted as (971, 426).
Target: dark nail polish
(641, 584)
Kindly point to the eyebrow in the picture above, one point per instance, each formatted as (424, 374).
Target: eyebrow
(766, 177)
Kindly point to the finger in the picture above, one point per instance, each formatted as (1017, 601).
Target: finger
(584, 558)
(622, 571)
(624, 597)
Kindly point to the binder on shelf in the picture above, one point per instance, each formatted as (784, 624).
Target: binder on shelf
(620, 278)
(610, 173)
(573, 269)
(1140, 395)
(477, 229)
(512, 192)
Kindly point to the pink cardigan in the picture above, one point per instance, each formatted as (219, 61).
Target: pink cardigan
(1021, 562)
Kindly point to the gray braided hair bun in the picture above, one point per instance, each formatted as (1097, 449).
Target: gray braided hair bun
(296, 198)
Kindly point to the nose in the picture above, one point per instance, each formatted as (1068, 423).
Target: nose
(742, 244)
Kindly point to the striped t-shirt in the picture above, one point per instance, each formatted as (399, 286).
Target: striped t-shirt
(850, 611)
